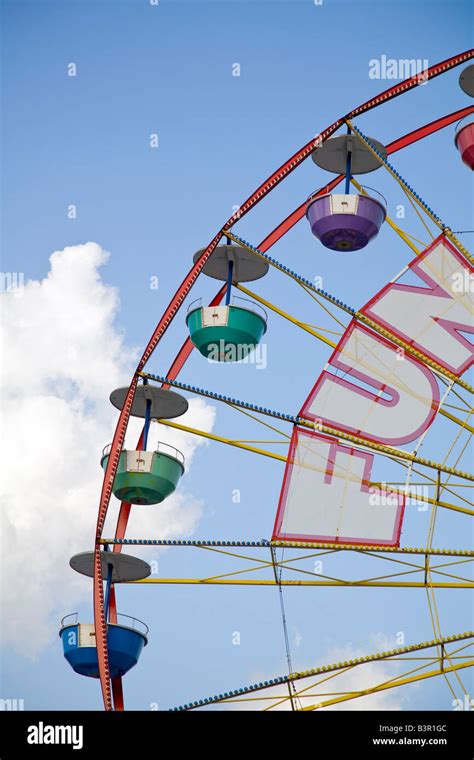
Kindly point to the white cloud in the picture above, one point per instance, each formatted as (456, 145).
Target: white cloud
(366, 676)
(358, 678)
(64, 354)
(298, 637)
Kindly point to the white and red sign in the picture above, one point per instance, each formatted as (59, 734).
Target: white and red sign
(373, 389)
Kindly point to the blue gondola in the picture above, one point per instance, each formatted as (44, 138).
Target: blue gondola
(124, 642)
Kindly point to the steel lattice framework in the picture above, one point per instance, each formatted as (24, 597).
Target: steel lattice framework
(416, 561)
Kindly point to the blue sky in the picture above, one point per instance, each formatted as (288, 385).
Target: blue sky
(84, 140)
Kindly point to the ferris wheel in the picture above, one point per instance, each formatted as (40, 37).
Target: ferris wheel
(394, 366)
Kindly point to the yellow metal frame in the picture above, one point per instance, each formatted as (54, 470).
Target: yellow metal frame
(395, 453)
(322, 675)
(398, 569)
